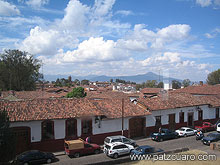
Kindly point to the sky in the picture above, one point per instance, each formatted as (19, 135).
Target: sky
(176, 38)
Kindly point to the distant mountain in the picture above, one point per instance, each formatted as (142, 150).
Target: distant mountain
(135, 78)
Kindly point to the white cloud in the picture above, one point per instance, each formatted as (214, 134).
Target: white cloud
(217, 2)
(204, 3)
(7, 9)
(213, 34)
(37, 3)
(124, 12)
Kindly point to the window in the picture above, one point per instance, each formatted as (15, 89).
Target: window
(71, 127)
(86, 126)
(217, 113)
(116, 140)
(125, 140)
(47, 130)
(158, 121)
(181, 117)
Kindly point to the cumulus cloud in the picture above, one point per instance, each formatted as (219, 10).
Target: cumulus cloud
(204, 3)
(37, 3)
(7, 9)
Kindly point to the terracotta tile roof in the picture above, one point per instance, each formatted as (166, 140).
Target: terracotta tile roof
(213, 100)
(200, 90)
(112, 108)
(151, 90)
(106, 94)
(171, 101)
(49, 93)
(41, 109)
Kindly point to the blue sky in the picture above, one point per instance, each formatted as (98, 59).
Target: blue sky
(179, 38)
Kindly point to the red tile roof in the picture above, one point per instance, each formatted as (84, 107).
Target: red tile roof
(151, 90)
(41, 109)
(171, 101)
(200, 90)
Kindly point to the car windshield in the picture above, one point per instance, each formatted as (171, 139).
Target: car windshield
(116, 140)
(107, 146)
(181, 129)
(107, 140)
(211, 135)
(21, 156)
(139, 149)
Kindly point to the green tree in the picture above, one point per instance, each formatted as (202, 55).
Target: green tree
(151, 84)
(76, 92)
(7, 140)
(214, 77)
(85, 82)
(111, 80)
(18, 70)
(186, 82)
(176, 84)
(76, 81)
(160, 85)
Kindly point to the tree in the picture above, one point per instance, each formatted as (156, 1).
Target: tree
(160, 85)
(111, 80)
(76, 81)
(76, 92)
(18, 70)
(151, 84)
(85, 82)
(7, 140)
(176, 84)
(214, 77)
(186, 82)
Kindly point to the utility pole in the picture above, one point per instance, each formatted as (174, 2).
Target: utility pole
(122, 117)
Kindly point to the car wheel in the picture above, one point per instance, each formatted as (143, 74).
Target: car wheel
(161, 139)
(49, 161)
(26, 163)
(97, 151)
(185, 135)
(76, 155)
(115, 156)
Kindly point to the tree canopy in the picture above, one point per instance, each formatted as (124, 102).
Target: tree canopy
(18, 70)
(214, 77)
(76, 92)
(186, 82)
(149, 84)
(7, 140)
(176, 84)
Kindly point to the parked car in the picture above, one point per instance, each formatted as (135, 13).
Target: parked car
(164, 134)
(185, 131)
(206, 126)
(79, 147)
(218, 127)
(144, 150)
(116, 149)
(119, 138)
(34, 157)
(211, 137)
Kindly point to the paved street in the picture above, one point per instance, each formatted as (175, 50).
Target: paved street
(188, 142)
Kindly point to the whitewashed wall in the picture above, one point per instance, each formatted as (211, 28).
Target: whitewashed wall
(109, 125)
(35, 127)
(208, 113)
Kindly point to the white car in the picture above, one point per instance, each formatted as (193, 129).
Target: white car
(116, 149)
(218, 127)
(185, 131)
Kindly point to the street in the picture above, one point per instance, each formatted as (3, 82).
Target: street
(183, 142)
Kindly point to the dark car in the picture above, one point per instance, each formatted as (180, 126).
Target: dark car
(212, 137)
(144, 150)
(164, 134)
(34, 157)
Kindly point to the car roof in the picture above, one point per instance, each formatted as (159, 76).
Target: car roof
(115, 143)
(144, 147)
(116, 137)
(185, 128)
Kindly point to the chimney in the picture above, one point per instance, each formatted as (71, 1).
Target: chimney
(201, 83)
